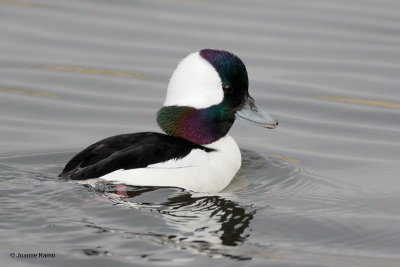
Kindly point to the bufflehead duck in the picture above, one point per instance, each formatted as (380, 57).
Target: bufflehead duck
(206, 93)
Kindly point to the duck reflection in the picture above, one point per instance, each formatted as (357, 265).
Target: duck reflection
(230, 217)
(209, 219)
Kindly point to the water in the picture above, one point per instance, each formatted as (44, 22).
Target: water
(320, 190)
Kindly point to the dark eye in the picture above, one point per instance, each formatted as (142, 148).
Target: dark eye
(227, 89)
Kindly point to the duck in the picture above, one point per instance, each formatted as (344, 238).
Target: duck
(206, 93)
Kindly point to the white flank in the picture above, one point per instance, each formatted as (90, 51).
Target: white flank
(194, 83)
(199, 171)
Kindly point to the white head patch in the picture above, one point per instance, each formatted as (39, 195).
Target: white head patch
(194, 83)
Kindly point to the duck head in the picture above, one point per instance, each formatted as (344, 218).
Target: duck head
(206, 93)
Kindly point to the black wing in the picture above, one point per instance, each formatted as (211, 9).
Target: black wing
(127, 151)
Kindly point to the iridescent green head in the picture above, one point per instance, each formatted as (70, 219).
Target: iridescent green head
(207, 91)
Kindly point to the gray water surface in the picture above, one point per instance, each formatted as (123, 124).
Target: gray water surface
(320, 190)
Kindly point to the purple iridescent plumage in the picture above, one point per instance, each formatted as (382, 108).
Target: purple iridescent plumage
(229, 67)
(207, 125)
(200, 126)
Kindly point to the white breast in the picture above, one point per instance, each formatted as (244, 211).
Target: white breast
(199, 171)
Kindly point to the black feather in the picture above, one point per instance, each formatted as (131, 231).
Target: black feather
(127, 151)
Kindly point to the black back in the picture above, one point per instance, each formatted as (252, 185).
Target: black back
(127, 151)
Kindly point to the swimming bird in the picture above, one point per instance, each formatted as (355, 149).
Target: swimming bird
(206, 93)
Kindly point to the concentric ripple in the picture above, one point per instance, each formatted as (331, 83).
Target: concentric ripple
(320, 190)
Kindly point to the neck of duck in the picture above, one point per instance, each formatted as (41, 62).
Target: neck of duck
(200, 126)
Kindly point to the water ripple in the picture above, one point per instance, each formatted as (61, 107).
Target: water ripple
(321, 189)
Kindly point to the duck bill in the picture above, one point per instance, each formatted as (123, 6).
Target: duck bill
(252, 114)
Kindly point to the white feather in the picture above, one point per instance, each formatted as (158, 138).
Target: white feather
(194, 83)
(199, 171)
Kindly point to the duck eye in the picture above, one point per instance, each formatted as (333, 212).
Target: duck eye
(227, 89)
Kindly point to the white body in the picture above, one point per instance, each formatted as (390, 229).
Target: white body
(199, 171)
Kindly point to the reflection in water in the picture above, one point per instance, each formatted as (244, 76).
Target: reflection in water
(207, 216)
(232, 218)
(212, 224)
(27, 92)
(174, 219)
(95, 71)
(80, 69)
(362, 101)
